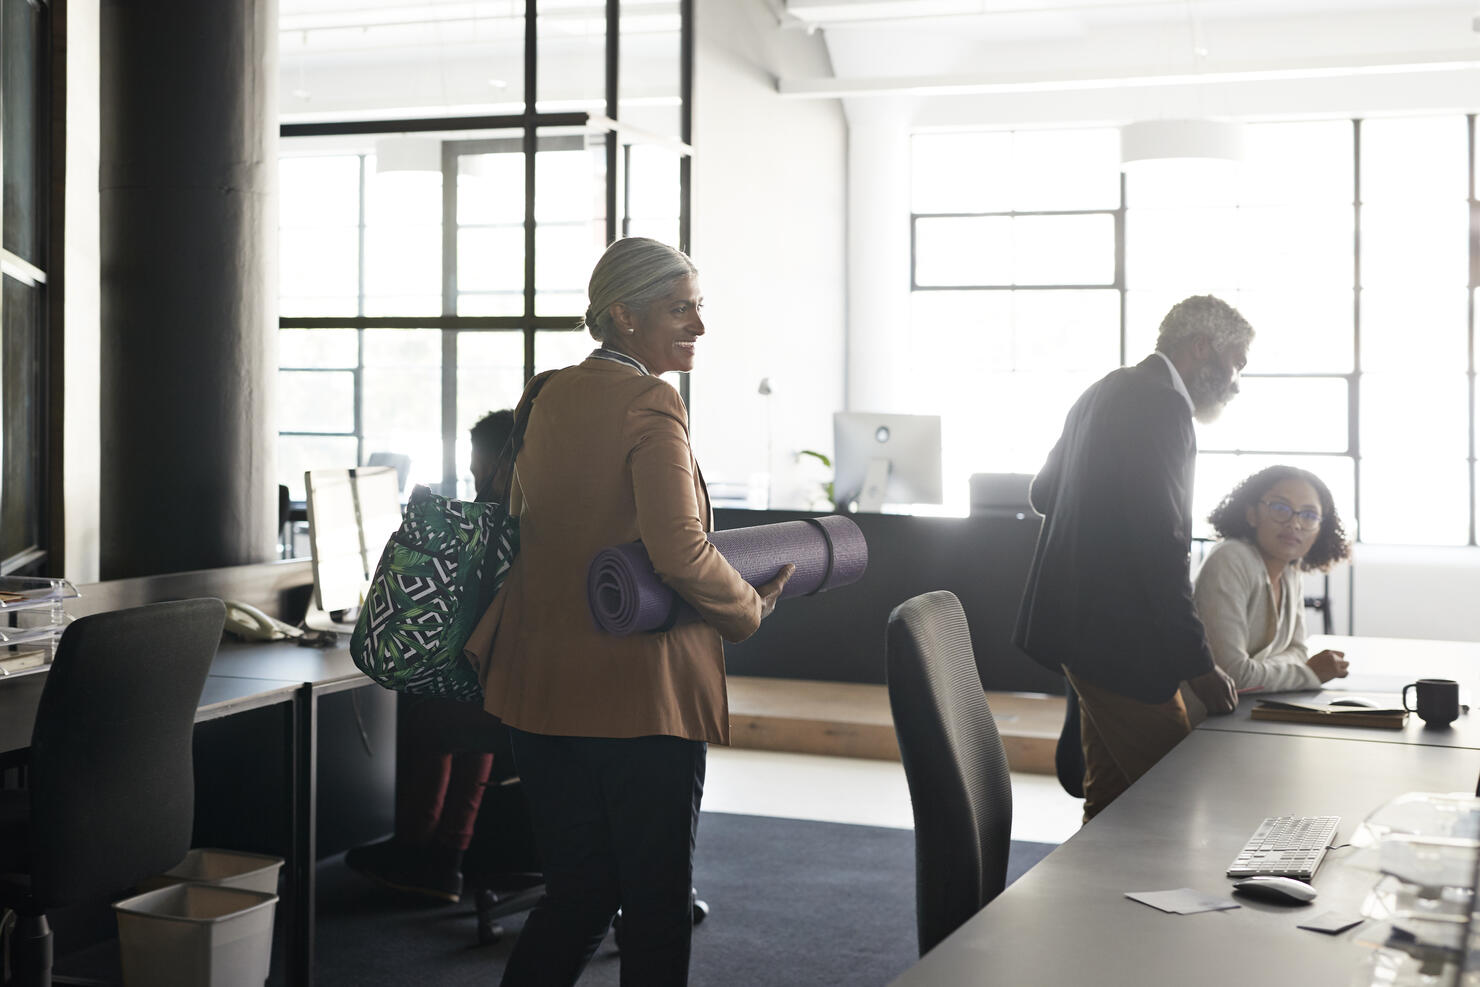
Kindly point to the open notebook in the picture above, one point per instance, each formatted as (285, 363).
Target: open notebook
(1317, 710)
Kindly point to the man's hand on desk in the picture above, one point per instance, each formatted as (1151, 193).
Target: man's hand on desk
(1216, 690)
(1328, 665)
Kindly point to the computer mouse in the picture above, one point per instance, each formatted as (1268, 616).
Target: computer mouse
(1354, 701)
(1281, 890)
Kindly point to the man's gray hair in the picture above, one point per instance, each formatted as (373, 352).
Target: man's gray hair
(1203, 317)
(635, 271)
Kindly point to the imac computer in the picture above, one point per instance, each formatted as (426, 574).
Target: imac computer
(881, 459)
(351, 514)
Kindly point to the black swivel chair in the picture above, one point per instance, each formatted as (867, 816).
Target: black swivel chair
(111, 797)
(1002, 495)
(954, 763)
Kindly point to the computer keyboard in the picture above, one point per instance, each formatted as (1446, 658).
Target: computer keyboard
(1291, 846)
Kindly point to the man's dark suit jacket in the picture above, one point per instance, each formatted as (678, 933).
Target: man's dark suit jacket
(1108, 594)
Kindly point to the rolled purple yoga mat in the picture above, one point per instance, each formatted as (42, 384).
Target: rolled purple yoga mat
(626, 596)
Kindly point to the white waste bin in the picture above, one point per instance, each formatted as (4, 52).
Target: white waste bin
(227, 868)
(196, 935)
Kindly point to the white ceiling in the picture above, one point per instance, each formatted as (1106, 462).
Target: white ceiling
(971, 62)
(351, 56)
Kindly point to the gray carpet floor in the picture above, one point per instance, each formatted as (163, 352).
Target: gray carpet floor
(792, 903)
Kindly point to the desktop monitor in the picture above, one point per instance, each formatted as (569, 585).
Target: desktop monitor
(881, 459)
(351, 514)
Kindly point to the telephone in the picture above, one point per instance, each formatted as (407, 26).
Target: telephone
(251, 624)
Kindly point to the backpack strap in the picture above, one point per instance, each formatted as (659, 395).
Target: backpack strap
(510, 452)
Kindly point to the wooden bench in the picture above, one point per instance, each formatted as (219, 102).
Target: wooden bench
(850, 719)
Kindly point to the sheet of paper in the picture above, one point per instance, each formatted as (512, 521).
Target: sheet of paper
(1331, 923)
(1183, 901)
(1381, 685)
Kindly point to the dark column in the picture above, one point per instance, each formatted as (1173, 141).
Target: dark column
(189, 312)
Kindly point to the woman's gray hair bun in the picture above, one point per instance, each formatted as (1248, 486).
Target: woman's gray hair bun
(634, 271)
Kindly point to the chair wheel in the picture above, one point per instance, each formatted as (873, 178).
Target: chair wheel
(489, 931)
(700, 907)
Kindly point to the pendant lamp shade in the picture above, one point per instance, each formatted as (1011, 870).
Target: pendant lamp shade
(1165, 140)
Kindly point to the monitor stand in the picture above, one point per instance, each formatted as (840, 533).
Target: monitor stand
(875, 480)
(318, 620)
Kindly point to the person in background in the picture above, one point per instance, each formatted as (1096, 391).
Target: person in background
(1108, 600)
(1276, 524)
(445, 751)
(490, 434)
(610, 733)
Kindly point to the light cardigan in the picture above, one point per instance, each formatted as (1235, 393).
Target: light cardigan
(1259, 648)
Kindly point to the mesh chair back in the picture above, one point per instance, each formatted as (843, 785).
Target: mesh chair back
(111, 773)
(953, 761)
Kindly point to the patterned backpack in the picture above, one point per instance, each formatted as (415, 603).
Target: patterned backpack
(437, 575)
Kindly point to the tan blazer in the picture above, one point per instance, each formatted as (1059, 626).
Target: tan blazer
(606, 460)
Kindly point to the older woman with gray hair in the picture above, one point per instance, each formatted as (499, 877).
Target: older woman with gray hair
(610, 733)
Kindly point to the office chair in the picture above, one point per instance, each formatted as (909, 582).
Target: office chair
(1002, 495)
(399, 460)
(1322, 604)
(112, 789)
(953, 761)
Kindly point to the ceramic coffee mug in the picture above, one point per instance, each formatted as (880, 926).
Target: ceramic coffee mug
(1436, 701)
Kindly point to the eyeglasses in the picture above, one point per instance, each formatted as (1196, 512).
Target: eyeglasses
(1283, 514)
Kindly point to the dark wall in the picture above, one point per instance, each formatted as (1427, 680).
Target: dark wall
(838, 636)
(188, 311)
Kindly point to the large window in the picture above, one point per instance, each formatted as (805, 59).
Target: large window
(429, 267)
(1346, 243)
(24, 120)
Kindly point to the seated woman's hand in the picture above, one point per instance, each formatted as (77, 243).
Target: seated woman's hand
(1328, 665)
(771, 591)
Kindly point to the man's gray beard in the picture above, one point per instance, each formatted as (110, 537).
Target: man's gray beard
(1207, 414)
(1210, 392)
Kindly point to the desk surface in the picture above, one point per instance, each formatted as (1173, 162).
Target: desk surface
(1379, 668)
(243, 677)
(326, 669)
(1067, 921)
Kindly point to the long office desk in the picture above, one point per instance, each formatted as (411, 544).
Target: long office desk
(245, 677)
(1067, 920)
(1379, 669)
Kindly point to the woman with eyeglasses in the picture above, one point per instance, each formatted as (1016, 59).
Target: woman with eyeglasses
(1276, 524)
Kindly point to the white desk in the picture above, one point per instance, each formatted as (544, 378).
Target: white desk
(1389, 663)
(1067, 922)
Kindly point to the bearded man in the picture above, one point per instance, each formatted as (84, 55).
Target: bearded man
(1108, 600)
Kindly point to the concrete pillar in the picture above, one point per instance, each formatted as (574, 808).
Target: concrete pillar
(878, 251)
(188, 297)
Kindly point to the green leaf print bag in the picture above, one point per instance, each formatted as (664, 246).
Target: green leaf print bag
(436, 577)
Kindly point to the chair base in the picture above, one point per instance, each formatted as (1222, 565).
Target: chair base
(30, 952)
(493, 905)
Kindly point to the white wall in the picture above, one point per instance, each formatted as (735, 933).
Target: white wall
(1385, 591)
(769, 228)
(1416, 592)
(82, 492)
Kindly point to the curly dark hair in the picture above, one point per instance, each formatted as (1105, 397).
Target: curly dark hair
(1231, 517)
